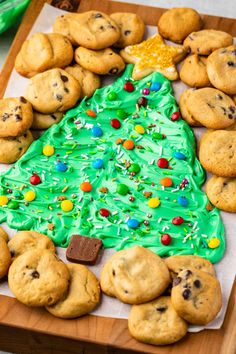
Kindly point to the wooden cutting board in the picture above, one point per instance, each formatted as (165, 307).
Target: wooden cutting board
(26, 330)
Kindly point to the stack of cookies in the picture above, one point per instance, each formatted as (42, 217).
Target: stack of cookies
(37, 277)
(161, 311)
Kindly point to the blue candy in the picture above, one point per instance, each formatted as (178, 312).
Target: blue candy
(97, 131)
(98, 163)
(183, 201)
(179, 155)
(133, 223)
(61, 167)
(155, 86)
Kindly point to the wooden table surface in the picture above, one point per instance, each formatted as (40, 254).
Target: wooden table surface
(27, 330)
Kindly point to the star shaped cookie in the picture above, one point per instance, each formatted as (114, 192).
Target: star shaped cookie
(153, 55)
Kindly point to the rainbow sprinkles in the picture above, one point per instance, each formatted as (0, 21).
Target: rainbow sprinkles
(121, 167)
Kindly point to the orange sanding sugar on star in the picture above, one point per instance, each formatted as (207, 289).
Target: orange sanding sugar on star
(154, 53)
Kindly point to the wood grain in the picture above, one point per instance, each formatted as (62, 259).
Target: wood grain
(27, 330)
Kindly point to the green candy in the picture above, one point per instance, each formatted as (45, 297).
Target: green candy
(121, 114)
(112, 96)
(13, 204)
(122, 189)
(134, 168)
(157, 135)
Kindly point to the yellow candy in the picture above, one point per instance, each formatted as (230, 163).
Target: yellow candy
(139, 129)
(3, 200)
(67, 205)
(214, 243)
(48, 150)
(154, 202)
(30, 196)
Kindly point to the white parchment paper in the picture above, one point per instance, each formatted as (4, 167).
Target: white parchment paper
(111, 307)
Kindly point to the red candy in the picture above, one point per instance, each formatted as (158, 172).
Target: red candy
(35, 179)
(162, 163)
(178, 220)
(115, 123)
(175, 116)
(166, 239)
(129, 87)
(104, 212)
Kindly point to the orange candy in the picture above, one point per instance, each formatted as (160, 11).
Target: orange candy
(128, 144)
(91, 113)
(166, 182)
(86, 186)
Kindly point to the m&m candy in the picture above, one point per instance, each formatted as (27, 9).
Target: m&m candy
(175, 116)
(61, 167)
(91, 113)
(155, 86)
(166, 182)
(133, 223)
(86, 186)
(139, 129)
(104, 212)
(134, 167)
(179, 155)
(183, 201)
(142, 102)
(48, 150)
(97, 131)
(157, 136)
(13, 204)
(145, 91)
(115, 123)
(30, 196)
(129, 87)
(162, 163)
(122, 189)
(128, 144)
(67, 205)
(97, 163)
(166, 239)
(35, 179)
(121, 113)
(112, 96)
(3, 200)
(154, 203)
(178, 220)
(214, 242)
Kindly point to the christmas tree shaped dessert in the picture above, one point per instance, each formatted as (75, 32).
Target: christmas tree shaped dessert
(122, 167)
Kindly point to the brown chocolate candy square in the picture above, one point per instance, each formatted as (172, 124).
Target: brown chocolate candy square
(84, 250)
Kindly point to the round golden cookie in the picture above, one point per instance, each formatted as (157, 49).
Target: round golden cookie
(217, 152)
(177, 263)
(13, 148)
(101, 62)
(204, 42)
(131, 281)
(44, 121)
(196, 296)
(131, 26)
(62, 26)
(83, 294)
(156, 322)
(193, 71)
(53, 91)
(24, 241)
(177, 23)
(212, 108)
(38, 278)
(186, 115)
(4, 234)
(88, 81)
(16, 116)
(5, 258)
(221, 69)
(94, 30)
(43, 51)
(221, 192)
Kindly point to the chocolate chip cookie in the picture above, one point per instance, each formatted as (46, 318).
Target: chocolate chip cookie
(16, 116)
(94, 30)
(212, 108)
(193, 72)
(204, 42)
(62, 26)
(156, 322)
(3, 234)
(221, 192)
(5, 258)
(196, 296)
(24, 241)
(187, 116)
(131, 281)
(83, 294)
(177, 23)
(13, 148)
(131, 27)
(221, 69)
(44, 121)
(101, 62)
(88, 81)
(53, 91)
(43, 51)
(38, 278)
(217, 152)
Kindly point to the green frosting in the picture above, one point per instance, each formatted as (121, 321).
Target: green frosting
(126, 180)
